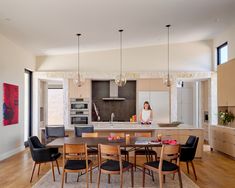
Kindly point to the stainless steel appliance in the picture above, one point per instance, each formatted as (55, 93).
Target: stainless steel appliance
(79, 111)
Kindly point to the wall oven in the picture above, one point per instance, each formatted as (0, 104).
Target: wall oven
(79, 111)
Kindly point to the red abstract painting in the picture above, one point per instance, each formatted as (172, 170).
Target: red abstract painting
(10, 104)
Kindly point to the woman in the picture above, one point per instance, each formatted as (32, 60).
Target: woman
(146, 114)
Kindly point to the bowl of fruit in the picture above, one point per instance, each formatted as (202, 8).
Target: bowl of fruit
(115, 139)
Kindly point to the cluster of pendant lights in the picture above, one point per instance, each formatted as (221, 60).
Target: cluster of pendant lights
(120, 79)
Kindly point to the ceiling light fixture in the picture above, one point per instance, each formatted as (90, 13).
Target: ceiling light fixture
(78, 80)
(120, 80)
(167, 81)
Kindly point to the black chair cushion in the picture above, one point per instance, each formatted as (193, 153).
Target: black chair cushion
(124, 152)
(112, 165)
(55, 131)
(76, 164)
(55, 156)
(166, 166)
(144, 152)
(92, 151)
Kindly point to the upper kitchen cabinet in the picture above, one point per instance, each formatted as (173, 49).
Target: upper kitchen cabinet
(226, 85)
(151, 85)
(80, 92)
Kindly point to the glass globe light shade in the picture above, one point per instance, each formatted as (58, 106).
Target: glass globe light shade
(120, 80)
(78, 80)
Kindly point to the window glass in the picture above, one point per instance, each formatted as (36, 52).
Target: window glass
(222, 53)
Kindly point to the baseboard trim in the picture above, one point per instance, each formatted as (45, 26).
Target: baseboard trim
(12, 152)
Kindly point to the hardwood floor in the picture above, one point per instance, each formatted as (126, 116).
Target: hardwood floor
(214, 170)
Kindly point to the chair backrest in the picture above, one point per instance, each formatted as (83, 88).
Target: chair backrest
(91, 135)
(120, 134)
(169, 152)
(78, 130)
(143, 134)
(74, 152)
(34, 143)
(109, 152)
(191, 141)
(55, 131)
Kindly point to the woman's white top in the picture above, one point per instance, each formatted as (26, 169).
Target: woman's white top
(146, 115)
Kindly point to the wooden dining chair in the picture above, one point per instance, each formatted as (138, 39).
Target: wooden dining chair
(110, 162)
(148, 152)
(123, 151)
(91, 151)
(164, 167)
(75, 160)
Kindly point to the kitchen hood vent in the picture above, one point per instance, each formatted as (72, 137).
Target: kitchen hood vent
(113, 93)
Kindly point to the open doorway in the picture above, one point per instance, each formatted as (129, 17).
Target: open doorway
(55, 103)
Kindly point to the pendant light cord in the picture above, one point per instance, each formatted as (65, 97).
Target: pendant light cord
(120, 51)
(168, 50)
(78, 52)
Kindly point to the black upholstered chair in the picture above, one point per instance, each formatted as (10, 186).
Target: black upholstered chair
(78, 130)
(188, 151)
(41, 154)
(53, 132)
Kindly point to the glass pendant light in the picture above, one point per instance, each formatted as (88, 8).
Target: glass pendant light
(120, 79)
(78, 80)
(167, 81)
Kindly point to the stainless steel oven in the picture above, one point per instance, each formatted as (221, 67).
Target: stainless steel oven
(79, 105)
(79, 119)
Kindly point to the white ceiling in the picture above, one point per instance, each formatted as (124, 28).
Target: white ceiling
(49, 26)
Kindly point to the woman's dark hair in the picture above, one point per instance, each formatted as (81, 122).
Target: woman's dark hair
(149, 107)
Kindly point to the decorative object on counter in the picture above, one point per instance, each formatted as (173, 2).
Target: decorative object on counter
(78, 80)
(167, 81)
(120, 80)
(225, 118)
(133, 118)
(159, 137)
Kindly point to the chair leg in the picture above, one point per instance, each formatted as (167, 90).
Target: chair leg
(187, 167)
(132, 177)
(39, 165)
(57, 166)
(194, 171)
(91, 174)
(98, 183)
(128, 158)
(155, 157)
(53, 172)
(164, 178)
(62, 179)
(143, 177)
(121, 179)
(109, 178)
(33, 172)
(180, 179)
(66, 174)
(87, 179)
(160, 180)
(135, 161)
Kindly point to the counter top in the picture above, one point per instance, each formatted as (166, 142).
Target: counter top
(131, 126)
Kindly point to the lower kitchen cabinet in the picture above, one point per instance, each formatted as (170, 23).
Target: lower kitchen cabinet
(223, 139)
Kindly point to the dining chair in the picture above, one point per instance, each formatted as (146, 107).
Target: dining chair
(188, 151)
(148, 152)
(53, 132)
(40, 154)
(75, 160)
(123, 151)
(79, 129)
(164, 166)
(91, 151)
(111, 163)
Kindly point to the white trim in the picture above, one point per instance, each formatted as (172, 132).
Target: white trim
(11, 153)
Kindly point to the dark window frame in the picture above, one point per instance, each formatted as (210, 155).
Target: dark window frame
(218, 52)
(30, 101)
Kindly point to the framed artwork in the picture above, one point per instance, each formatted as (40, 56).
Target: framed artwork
(10, 104)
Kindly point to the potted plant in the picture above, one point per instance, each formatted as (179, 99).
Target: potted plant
(226, 117)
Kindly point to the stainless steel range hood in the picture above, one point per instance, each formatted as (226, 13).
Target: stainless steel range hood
(113, 93)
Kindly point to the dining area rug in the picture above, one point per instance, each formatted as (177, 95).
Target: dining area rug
(47, 182)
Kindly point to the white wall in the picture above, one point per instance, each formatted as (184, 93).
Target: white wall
(226, 36)
(13, 61)
(193, 56)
